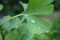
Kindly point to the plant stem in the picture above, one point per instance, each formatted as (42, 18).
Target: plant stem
(16, 16)
(2, 34)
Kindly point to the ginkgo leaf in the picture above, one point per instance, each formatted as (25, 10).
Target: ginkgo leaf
(37, 25)
(24, 33)
(8, 24)
(39, 7)
(4, 19)
(12, 35)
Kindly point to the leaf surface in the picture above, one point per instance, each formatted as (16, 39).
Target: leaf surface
(37, 25)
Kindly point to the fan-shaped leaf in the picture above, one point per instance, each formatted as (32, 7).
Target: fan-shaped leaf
(37, 25)
(39, 7)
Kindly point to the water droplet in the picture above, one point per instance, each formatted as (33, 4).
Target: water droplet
(32, 21)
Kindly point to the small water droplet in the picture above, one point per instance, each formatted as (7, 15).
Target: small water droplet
(32, 21)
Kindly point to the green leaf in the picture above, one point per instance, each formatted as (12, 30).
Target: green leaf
(15, 23)
(4, 19)
(11, 24)
(24, 33)
(20, 34)
(37, 25)
(39, 7)
(12, 35)
(1, 7)
(42, 36)
(8, 24)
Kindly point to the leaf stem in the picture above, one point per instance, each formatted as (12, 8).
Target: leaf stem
(16, 16)
(2, 34)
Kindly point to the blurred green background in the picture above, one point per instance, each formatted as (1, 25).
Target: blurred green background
(57, 4)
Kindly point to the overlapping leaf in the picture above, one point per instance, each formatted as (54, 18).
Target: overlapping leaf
(24, 34)
(12, 35)
(4, 19)
(36, 25)
(39, 7)
(21, 34)
(10, 24)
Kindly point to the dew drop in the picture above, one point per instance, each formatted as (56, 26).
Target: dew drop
(32, 21)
